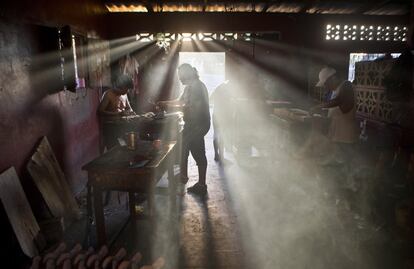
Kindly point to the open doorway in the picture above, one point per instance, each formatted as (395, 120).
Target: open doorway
(210, 66)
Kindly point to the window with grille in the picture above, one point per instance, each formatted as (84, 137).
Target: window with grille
(348, 32)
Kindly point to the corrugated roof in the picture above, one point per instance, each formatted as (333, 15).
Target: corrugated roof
(371, 7)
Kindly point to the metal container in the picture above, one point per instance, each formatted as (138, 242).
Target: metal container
(132, 140)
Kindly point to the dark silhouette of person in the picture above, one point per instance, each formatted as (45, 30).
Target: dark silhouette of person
(195, 106)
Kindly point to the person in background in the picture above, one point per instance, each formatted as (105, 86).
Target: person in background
(341, 107)
(220, 99)
(195, 105)
(343, 130)
(114, 103)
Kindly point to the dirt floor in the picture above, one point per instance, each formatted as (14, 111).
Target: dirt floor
(265, 212)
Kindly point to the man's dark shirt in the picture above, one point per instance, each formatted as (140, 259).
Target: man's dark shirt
(196, 109)
(347, 97)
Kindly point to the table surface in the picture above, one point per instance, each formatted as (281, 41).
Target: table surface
(295, 115)
(142, 118)
(115, 173)
(120, 157)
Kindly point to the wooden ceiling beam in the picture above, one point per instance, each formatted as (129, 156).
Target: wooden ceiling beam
(366, 6)
(372, 6)
(308, 5)
(148, 5)
(267, 4)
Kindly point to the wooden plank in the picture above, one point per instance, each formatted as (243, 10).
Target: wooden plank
(52, 184)
(19, 213)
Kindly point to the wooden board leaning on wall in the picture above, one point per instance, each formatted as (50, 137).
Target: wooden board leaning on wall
(20, 213)
(51, 182)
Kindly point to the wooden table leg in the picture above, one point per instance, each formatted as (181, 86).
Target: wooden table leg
(151, 197)
(89, 215)
(132, 203)
(89, 201)
(151, 205)
(99, 216)
(172, 184)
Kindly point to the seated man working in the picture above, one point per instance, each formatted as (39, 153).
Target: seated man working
(115, 103)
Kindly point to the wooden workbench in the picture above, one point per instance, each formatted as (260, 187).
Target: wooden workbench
(118, 169)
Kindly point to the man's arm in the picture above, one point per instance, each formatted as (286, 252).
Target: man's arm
(344, 99)
(170, 102)
(128, 107)
(345, 96)
(332, 103)
(176, 102)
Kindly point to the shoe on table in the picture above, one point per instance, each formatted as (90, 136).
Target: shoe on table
(198, 188)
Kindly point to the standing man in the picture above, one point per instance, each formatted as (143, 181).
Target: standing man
(343, 130)
(194, 102)
(221, 100)
(341, 107)
(114, 104)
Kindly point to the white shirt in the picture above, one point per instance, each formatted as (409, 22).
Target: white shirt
(343, 126)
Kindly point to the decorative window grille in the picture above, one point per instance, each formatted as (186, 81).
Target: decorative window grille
(370, 93)
(187, 36)
(228, 36)
(246, 36)
(207, 36)
(145, 37)
(346, 32)
(169, 37)
(359, 57)
(373, 104)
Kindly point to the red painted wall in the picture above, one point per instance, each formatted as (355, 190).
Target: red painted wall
(28, 110)
(28, 113)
